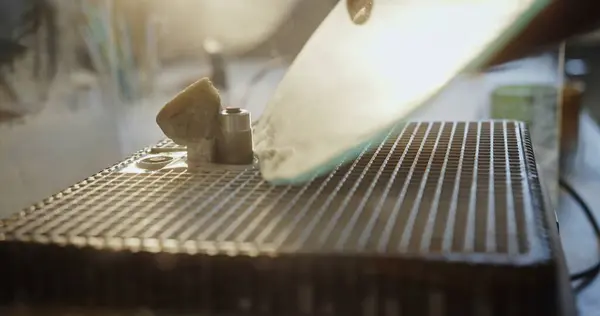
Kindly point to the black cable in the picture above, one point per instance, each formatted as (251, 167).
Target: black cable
(588, 275)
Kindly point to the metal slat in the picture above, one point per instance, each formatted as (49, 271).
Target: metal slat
(429, 188)
(399, 230)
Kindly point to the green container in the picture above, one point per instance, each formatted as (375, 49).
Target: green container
(523, 103)
(537, 106)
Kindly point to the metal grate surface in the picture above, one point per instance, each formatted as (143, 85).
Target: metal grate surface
(436, 188)
(427, 208)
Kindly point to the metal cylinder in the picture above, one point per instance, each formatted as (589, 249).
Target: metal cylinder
(214, 50)
(234, 143)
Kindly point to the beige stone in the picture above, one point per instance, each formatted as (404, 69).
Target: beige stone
(192, 116)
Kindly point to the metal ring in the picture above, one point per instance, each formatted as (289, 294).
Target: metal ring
(154, 162)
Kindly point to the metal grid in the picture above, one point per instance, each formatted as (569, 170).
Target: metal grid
(400, 230)
(441, 188)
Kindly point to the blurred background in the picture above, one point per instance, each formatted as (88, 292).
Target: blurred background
(81, 82)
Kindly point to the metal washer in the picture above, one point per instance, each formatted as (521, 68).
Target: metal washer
(155, 162)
